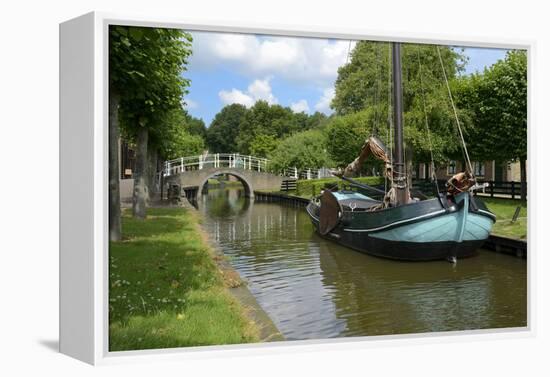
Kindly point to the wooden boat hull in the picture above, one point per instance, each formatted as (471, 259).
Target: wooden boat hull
(421, 232)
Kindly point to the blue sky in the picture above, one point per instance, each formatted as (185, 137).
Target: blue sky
(296, 72)
(479, 58)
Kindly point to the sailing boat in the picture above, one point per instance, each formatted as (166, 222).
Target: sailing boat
(452, 225)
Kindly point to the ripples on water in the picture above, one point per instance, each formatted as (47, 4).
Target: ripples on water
(313, 288)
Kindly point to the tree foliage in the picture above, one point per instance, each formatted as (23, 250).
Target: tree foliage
(222, 134)
(262, 145)
(303, 150)
(146, 66)
(496, 101)
(365, 84)
(194, 126)
(254, 131)
(346, 135)
(178, 139)
(264, 119)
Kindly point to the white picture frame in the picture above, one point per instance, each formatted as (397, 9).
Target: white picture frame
(84, 196)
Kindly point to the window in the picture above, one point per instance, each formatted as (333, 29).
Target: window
(451, 167)
(479, 169)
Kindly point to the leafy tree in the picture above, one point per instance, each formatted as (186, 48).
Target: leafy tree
(265, 119)
(176, 140)
(303, 150)
(316, 120)
(146, 66)
(236, 128)
(497, 104)
(262, 145)
(365, 84)
(194, 126)
(346, 135)
(221, 136)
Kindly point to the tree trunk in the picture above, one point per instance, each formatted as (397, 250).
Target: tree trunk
(152, 171)
(161, 184)
(139, 200)
(523, 174)
(114, 168)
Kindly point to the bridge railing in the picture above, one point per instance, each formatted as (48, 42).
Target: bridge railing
(307, 173)
(236, 160)
(215, 160)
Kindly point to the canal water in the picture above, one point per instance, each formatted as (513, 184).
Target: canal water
(313, 288)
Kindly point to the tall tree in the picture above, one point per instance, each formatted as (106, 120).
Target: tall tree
(194, 126)
(114, 165)
(266, 119)
(221, 136)
(150, 63)
(316, 120)
(497, 102)
(176, 140)
(303, 150)
(262, 145)
(365, 84)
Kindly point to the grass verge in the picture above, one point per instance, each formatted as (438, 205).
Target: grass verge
(165, 289)
(504, 210)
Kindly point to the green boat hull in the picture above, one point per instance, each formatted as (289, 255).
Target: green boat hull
(421, 231)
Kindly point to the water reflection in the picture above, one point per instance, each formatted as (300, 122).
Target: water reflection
(313, 288)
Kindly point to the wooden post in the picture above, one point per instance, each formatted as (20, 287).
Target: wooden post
(516, 214)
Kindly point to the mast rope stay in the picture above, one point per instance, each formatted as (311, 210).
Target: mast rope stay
(464, 148)
(432, 166)
(390, 117)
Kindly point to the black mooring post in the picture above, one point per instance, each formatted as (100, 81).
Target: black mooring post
(398, 161)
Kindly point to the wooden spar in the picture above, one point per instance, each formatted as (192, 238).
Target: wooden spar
(400, 178)
(361, 185)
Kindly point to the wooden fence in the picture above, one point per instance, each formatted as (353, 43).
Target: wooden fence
(509, 189)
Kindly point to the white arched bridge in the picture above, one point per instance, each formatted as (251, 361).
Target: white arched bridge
(193, 172)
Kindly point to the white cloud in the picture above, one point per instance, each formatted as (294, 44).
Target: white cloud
(190, 104)
(257, 90)
(323, 105)
(312, 60)
(232, 46)
(235, 96)
(300, 106)
(261, 90)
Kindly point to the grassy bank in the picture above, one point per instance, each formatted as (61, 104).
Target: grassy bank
(166, 290)
(504, 210)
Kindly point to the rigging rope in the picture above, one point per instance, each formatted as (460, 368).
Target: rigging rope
(390, 118)
(432, 166)
(377, 96)
(349, 49)
(465, 149)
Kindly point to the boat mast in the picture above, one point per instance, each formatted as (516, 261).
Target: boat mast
(399, 176)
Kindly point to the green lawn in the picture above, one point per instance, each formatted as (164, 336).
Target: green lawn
(504, 210)
(165, 289)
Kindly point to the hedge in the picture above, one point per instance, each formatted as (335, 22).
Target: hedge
(312, 187)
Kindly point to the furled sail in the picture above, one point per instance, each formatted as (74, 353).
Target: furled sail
(372, 146)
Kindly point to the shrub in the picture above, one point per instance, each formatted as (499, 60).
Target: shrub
(313, 187)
